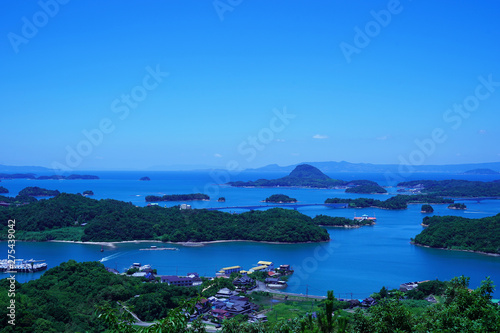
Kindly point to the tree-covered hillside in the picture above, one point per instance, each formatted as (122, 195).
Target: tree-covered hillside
(113, 220)
(64, 299)
(456, 188)
(397, 202)
(459, 233)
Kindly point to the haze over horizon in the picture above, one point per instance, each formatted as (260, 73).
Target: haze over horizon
(128, 85)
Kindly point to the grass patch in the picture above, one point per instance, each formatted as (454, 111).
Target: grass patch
(290, 310)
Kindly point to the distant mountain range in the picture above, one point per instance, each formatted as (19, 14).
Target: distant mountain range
(326, 167)
(332, 167)
(23, 169)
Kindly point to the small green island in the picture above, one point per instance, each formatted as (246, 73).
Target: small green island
(457, 205)
(88, 192)
(79, 218)
(366, 188)
(459, 233)
(306, 175)
(145, 179)
(177, 197)
(341, 222)
(280, 198)
(427, 209)
(454, 188)
(35, 191)
(397, 202)
(3, 190)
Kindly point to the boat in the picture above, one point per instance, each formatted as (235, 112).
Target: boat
(365, 217)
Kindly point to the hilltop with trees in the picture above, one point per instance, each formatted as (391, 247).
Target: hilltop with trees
(455, 187)
(306, 175)
(394, 203)
(75, 217)
(178, 197)
(459, 233)
(280, 198)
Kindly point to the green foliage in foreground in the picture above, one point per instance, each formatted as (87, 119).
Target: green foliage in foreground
(463, 310)
(113, 220)
(459, 233)
(65, 297)
(397, 202)
(84, 297)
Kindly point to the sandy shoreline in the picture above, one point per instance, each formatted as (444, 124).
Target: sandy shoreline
(188, 244)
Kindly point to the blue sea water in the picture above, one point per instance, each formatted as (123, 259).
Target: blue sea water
(355, 263)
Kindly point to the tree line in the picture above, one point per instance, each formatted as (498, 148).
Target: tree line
(113, 220)
(397, 202)
(460, 233)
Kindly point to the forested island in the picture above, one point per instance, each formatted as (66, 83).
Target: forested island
(397, 202)
(459, 233)
(177, 197)
(457, 206)
(88, 192)
(367, 189)
(306, 175)
(280, 198)
(336, 221)
(3, 190)
(427, 209)
(78, 218)
(145, 179)
(35, 191)
(455, 188)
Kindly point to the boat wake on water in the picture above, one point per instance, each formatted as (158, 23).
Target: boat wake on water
(113, 256)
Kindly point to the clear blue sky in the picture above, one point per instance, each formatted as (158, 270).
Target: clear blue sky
(358, 97)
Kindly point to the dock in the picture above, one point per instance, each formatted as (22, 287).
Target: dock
(22, 266)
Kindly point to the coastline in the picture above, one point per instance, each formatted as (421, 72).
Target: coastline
(461, 250)
(187, 244)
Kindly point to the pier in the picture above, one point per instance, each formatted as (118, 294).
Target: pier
(22, 266)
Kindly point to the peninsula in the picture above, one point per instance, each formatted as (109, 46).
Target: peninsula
(481, 172)
(397, 202)
(306, 175)
(459, 233)
(454, 188)
(79, 218)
